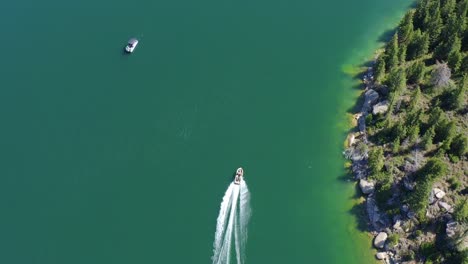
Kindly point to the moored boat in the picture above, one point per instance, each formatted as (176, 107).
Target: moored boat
(131, 45)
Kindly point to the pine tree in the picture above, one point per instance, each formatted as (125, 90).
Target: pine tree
(380, 69)
(415, 98)
(416, 72)
(433, 23)
(445, 132)
(459, 146)
(448, 8)
(391, 53)
(419, 46)
(397, 80)
(462, 9)
(396, 145)
(454, 26)
(376, 160)
(402, 53)
(405, 30)
(399, 130)
(457, 95)
(413, 133)
(454, 56)
(464, 64)
(413, 118)
(435, 116)
(420, 14)
(428, 137)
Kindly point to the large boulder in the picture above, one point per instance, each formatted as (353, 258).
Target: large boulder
(379, 240)
(380, 108)
(381, 255)
(366, 186)
(458, 235)
(445, 206)
(362, 123)
(439, 194)
(370, 97)
(373, 212)
(351, 139)
(451, 228)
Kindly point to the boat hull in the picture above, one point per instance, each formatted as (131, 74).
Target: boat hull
(239, 176)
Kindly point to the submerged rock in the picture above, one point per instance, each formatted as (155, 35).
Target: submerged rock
(379, 241)
(366, 186)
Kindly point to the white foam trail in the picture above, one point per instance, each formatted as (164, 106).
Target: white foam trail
(227, 244)
(235, 204)
(237, 237)
(221, 221)
(244, 216)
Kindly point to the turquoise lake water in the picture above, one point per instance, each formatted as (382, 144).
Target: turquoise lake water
(108, 158)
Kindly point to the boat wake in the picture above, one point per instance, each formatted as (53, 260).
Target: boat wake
(231, 226)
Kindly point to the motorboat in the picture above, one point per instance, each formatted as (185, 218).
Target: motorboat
(239, 176)
(131, 45)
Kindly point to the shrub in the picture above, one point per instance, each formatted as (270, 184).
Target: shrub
(461, 211)
(376, 160)
(428, 137)
(393, 239)
(418, 233)
(454, 183)
(383, 189)
(459, 145)
(428, 249)
(396, 145)
(418, 199)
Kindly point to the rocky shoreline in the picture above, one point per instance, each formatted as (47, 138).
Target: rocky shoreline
(383, 227)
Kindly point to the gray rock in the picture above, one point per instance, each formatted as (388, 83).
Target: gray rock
(370, 97)
(451, 228)
(351, 139)
(445, 206)
(373, 212)
(439, 194)
(366, 186)
(404, 208)
(379, 240)
(381, 107)
(381, 255)
(397, 225)
(362, 123)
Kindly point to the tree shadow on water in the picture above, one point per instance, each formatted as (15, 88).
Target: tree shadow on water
(358, 211)
(387, 35)
(356, 107)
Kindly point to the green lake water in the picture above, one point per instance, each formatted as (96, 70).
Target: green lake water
(107, 158)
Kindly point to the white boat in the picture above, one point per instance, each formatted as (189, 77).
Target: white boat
(131, 45)
(239, 176)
